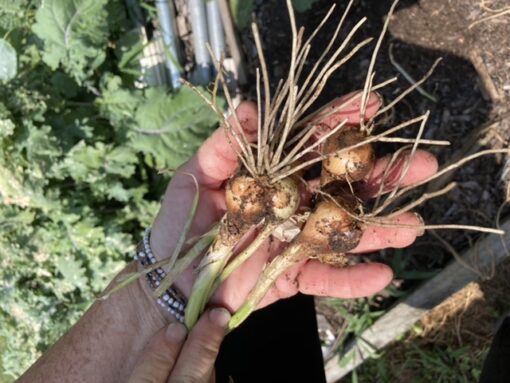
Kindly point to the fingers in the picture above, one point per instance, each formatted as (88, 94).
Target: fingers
(234, 290)
(356, 281)
(347, 108)
(315, 278)
(193, 363)
(196, 361)
(423, 165)
(287, 285)
(216, 160)
(360, 280)
(159, 356)
(380, 237)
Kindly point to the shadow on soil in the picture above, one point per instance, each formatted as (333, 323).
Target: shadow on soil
(461, 108)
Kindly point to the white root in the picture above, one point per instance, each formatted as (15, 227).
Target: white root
(284, 134)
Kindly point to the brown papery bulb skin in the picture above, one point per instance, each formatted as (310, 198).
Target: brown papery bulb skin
(330, 229)
(245, 199)
(352, 165)
(283, 199)
(249, 200)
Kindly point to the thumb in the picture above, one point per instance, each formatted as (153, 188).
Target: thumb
(159, 356)
(196, 361)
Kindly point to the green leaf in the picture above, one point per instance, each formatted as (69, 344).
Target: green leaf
(129, 51)
(6, 127)
(75, 192)
(42, 149)
(8, 61)
(241, 11)
(73, 273)
(13, 14)
(102, 272)
(101, 168)
(6, 124)
(117, 192)
(171, 127)
(65, 84)
(75, 35)
(12, 191)
(93, 163)
(117, 103)
(303, 5)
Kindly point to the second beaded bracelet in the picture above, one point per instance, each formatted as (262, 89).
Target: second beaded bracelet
(171, 300)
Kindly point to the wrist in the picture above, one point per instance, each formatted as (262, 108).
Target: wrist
(143, 292)
(105, 343)
(168, 297)
(139, 294)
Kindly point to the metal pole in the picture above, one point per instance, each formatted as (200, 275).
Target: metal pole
(216, 34)
(200, 38)
(166, 16)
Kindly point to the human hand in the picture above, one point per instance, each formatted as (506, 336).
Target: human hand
(174, 356)
(216, 161)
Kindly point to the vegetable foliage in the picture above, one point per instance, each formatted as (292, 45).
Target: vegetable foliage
(80, 152)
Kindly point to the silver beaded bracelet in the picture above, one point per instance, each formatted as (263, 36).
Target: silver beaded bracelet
(171, 300)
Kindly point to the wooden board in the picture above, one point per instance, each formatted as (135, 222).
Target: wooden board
(488, 252)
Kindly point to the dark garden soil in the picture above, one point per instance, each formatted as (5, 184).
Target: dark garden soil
(471, 87)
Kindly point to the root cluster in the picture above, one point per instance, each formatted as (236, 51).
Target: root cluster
(291, 138)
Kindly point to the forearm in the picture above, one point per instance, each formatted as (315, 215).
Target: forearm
(104, 344)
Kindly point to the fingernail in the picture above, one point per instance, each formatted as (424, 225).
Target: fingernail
(219, 316)
(176, 332)
(420, 231)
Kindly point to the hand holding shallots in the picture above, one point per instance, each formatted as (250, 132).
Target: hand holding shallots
(213, 165)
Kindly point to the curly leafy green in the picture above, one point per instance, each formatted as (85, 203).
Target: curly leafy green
(170, 127)
(81, 150)
(75, 34)
(8, 61)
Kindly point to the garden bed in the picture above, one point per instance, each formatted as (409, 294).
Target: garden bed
(471, 88)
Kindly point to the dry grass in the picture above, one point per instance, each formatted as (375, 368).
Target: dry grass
(450, 343)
